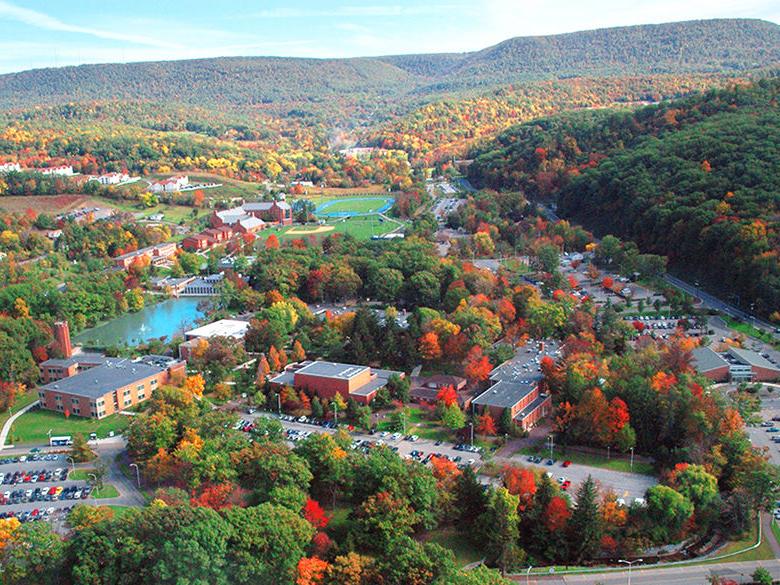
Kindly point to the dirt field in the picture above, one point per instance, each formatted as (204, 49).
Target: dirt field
(304, 231)
(47, 203)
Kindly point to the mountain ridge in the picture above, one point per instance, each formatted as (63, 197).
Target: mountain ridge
(685, 47)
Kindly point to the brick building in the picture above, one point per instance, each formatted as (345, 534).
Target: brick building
(326, 379)
(106, 389)
(278, 212)
(158, 254)
(516, 386)
(710, 364)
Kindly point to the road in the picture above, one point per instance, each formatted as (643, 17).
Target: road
(10, 422)
(681, 575)
(713, 302)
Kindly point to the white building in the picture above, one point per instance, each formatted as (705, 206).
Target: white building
(64, 170)
(171, 184)
(111, 178)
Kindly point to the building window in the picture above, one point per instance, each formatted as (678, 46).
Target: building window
(139, 387)
(42, 395)
(76, 411)
(128, 402)
(58, 398)
(154, 382)
(127, 392)
(141, 396)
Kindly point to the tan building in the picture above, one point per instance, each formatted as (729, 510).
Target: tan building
(110, 387)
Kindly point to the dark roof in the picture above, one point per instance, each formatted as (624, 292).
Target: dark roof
(504, 394)
(113, 374)
(752, 358)
(81, 358)
(706, 360)
(535, 404)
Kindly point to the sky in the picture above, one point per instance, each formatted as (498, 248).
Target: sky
(55, 33)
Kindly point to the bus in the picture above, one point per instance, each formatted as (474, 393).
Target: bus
(60, 441)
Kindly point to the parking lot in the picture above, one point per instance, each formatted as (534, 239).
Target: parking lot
(37, 487)
(418, 449)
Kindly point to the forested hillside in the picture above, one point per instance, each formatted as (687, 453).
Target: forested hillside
(697, 180)
(686, 47)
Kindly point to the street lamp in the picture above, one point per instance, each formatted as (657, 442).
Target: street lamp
(137, 474)
(92, 475)
(551, 442)
(72, 463)
(528, 575)
(632, 459)
(471, 430)
(630, 563)
(279, 403)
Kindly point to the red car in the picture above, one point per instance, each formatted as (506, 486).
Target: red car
(565, 485)
(566, 463)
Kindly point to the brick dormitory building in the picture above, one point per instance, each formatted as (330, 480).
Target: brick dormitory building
(112, 386)
(92, 385)
(326, 379)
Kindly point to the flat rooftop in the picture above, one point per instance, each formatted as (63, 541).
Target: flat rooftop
(536, 403)
(505, 394)
(222, 328)
(114, 373)
(332, 370)
(81, 358)
(526, 363)
(752, 358)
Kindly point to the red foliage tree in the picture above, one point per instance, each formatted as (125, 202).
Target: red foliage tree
(520, 482)
(272, 242)
(8, 391)
(311, 571)
(608, 282)
(477, 368)
(429, 346)
(486, 425)
(447, 395)
(557, 514)
(215, 497)
(314, 513)
(617, 416)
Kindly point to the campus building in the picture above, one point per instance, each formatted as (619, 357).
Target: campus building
(230, 328)
(516, 387)
(158, 254)
(278, 212)
(110, 387)
(326, 379)
(734, 365)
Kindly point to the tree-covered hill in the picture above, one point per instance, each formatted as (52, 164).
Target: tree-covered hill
(685, 47)
(696, 179)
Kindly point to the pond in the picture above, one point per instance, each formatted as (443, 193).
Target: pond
(167, 318)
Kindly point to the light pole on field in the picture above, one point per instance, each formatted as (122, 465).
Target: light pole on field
(72, 464)
(528, 574)
(137, 474)
(629, 563)
(94, 477)
(632, 459)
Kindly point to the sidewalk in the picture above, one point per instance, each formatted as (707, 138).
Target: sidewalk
(9, 423)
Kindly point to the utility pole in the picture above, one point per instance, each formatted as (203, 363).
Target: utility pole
(471, 428)
(551, 443)
(72, 463)
(528, 575)
(632, 459)
(279, 403)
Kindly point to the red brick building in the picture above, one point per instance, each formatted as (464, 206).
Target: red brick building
(708, 363)
(326, 379)
(110, 387)
(158, 254)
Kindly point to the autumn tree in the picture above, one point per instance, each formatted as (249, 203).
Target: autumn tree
(429, 347)
(272, 242)
(485, 425)
(195, 385)
(477, 367)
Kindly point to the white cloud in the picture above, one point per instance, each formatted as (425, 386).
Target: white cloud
(41, 20)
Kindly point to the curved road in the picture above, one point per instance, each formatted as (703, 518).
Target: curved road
(9, 423)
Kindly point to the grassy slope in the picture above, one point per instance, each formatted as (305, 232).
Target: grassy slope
(33, 426)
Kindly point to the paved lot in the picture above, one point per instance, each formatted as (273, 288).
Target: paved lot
(60, 462)
(770, 407)
(625, 485)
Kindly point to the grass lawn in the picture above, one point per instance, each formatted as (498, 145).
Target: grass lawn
(465, 552)
(120, 511)
(748, 329)
(561, 453)
(357, 205)
(761, 553)
(32, 427)
(20, 402)
(106, 492)
(361, 228)
(776, 530)
(80, 474)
